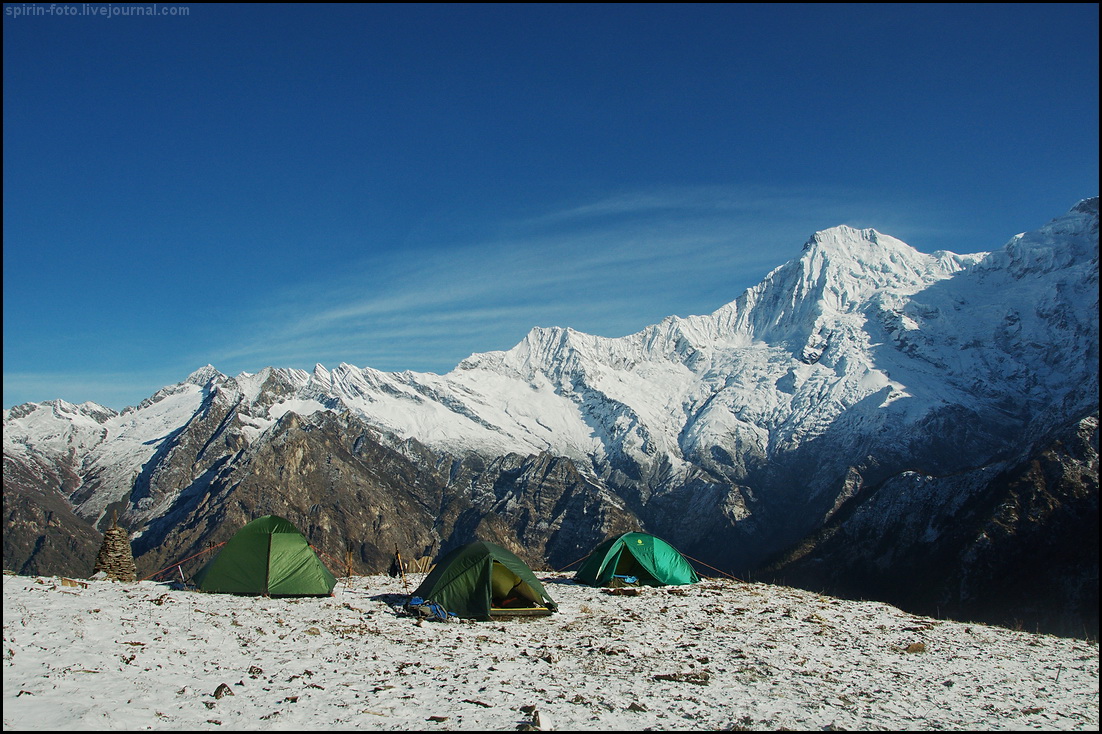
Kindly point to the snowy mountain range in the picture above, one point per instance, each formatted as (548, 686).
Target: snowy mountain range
(736, 433)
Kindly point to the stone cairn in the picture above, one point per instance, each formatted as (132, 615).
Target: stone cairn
(116, 559)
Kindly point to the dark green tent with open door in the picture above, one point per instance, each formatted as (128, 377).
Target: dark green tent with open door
(484, 581)
(267, 557)
(649, 560)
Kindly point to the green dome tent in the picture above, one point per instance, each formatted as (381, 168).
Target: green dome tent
(650, 560)
(267, 557)
(484, 581)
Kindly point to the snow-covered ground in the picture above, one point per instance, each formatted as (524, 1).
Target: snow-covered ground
(716, 655)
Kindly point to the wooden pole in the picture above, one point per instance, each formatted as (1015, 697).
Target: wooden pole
(401, 568)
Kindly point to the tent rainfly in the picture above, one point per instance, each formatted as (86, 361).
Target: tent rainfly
(484, 581)
(635, 558)
(267, 557)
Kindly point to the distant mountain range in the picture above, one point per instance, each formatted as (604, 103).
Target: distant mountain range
(862, 416)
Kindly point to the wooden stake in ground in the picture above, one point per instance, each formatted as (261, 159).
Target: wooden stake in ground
(400, 567)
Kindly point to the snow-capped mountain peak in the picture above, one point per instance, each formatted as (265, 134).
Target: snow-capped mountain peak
(204, 376)
(860, 347)
(857, 313)
(1067, 241)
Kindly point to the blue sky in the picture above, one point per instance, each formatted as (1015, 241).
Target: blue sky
(398, 187)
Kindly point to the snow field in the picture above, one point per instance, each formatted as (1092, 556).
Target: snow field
(720, 654)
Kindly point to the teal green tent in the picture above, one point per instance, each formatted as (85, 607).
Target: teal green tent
(484, 581)
(267, 557)
(645, 558)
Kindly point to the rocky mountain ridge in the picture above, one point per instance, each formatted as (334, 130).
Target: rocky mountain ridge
(736, 433)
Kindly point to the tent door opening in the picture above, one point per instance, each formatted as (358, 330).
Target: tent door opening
(508, 592)
(628, 567)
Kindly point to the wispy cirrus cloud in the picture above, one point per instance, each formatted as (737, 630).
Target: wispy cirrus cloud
(610, 266)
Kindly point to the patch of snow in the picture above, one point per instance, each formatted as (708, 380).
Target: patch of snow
(718, 655)
(301, 407)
